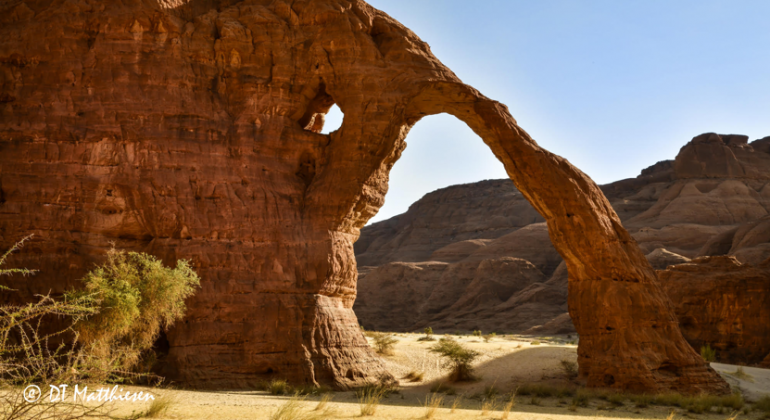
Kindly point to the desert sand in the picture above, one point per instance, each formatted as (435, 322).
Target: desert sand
(506, 363)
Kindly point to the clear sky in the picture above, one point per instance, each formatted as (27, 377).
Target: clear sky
(613, 86)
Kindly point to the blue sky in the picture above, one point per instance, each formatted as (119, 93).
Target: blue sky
(613, 86)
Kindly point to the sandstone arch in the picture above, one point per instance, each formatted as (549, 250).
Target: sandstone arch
(201, 119)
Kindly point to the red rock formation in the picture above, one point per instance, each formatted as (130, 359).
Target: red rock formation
(722, 303)
(191, 130)
(717, 213)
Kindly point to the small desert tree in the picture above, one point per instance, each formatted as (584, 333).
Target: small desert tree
(428, 335)
(383, 343)
(137, 296)
(457, 358)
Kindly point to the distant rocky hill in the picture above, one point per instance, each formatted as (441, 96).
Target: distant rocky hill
(478, 256)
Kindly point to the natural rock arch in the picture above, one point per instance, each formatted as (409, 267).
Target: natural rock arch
(190, 130)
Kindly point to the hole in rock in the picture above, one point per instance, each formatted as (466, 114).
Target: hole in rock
(332, 120)
(322, 114)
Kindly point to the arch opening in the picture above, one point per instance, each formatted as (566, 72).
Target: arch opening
(441, 151)
(453, 216)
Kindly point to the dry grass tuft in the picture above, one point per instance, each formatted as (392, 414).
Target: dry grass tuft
(415, 376)
(487, 406)
(294, 409)
(432, 404)
(325, 399)
(369, 399)
(158, 407)
(456, 403)
(507, 407)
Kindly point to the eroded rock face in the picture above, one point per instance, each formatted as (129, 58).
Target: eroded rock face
(722, 303)
(191, 130)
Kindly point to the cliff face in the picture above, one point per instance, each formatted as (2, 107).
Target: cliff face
(711, 200)
(191, 129)
(723, 303)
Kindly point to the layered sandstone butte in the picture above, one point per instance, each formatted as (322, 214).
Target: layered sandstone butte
(723, 303)
(191, 129)
(713, 199)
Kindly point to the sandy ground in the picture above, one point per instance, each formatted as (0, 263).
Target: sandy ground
(506, 363)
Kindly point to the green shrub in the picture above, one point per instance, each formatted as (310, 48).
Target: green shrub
(383, 343)
(458, 359)
(477, 333)
(489, 337)
(137, 296)
(428, 335)
(708, 354)
(279, 387)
